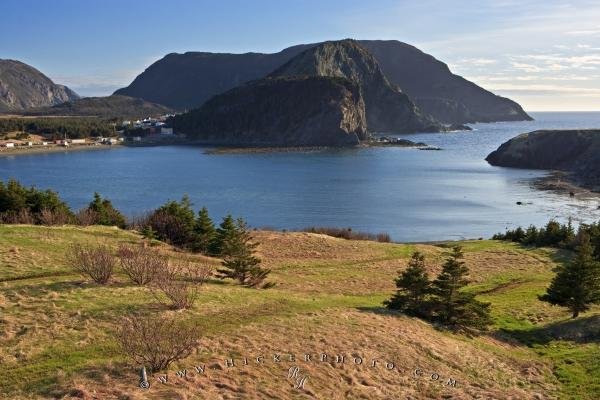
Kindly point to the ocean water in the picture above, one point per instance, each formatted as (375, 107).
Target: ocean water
(413, 195)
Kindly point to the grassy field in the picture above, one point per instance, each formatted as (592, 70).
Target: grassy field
(56, 329)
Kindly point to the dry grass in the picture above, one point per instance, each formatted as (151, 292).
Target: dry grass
(56, 331)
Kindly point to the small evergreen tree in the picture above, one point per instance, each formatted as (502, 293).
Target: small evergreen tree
(454, 307)
(577, 283)
(239, 262)
(531, 236)
(174, 222)
(205, 232)
(225, 231)
(148, 233)
(413, 288)
(105, 213)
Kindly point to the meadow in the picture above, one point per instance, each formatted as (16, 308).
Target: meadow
(57, 328)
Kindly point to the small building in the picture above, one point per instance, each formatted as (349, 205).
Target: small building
(9, 144)
(166, 131)
(78, 141)
(29, 144)
(44, 143)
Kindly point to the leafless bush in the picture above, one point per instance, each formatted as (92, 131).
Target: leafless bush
(97, 262)
(21, 217)
(86, 217)
(141, 264)
(139, 222)
(53, 217)
(180, 284)
(156, 342)
(349, 234)
(384, 237)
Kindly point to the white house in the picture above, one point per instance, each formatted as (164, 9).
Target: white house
(78, 141)
(9, 145)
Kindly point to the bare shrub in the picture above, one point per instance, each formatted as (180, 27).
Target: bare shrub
(349, 234)
(384, 238)
(155, 341)
(139, 222)
(98, 263)
(53, 217)
(86, 217)
(22, 216)
(180, 284)
(141, 264)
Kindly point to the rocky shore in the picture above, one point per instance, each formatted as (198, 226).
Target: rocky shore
(575, 153)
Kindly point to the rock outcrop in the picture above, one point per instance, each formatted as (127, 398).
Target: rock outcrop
(23, 87)
(280, 112)
(387, 108)
(573, 151)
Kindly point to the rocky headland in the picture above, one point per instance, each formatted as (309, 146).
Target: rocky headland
(281, 112)
(576, 153)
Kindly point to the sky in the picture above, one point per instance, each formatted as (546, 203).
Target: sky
(543, 54)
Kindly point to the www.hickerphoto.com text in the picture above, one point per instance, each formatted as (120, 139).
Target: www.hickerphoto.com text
(296, 361)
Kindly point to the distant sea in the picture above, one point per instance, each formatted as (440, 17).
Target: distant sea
(413, 195)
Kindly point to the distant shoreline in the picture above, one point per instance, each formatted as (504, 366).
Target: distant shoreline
(23, 150)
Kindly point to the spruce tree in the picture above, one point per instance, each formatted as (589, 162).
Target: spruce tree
(105, 213)
(454, 307)
(577, 283)
(205, 232)
(226, 230)
(413, 288)
(239, 262)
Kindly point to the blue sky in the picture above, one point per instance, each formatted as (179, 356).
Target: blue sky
(544, 54)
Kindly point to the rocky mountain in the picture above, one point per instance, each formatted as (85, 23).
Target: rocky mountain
(23, 87)
(184, 81)
(573, 151)
(281, 111)
(387, 108)
(436, 90)
(109, 106)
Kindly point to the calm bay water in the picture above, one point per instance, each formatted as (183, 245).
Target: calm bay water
(413, 195)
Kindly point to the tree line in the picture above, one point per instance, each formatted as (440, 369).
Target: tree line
(555, 234)
(175, 223)
(57, 128)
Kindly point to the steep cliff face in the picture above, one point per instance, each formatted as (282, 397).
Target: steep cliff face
(286, 111)
(387, 108)
(575, 151)
(23, 87)
(436, 90)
